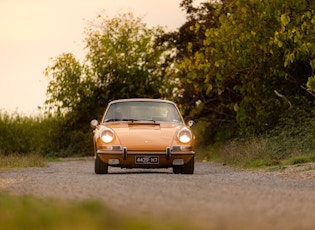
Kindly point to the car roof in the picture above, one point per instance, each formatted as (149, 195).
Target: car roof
(141, 99)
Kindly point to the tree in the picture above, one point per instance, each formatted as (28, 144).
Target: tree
(244, 50)
(66, 88)
(122, 61)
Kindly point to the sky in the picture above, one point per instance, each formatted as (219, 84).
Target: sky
(34, 31)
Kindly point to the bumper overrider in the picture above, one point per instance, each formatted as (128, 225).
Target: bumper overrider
(120, 156)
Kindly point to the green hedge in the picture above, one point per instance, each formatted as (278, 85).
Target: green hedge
(48, 136)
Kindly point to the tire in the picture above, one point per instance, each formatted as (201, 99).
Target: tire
(177, 169)
(186, 168)
(100, 167)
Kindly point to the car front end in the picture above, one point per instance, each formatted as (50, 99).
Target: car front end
(145, 142)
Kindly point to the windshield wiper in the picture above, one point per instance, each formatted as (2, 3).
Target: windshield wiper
(121, 119)
(142, 121)
(113, 119)
(150, 120)
(129, 119)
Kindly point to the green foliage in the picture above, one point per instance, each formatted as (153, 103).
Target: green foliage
(294, 134)
(235, 67)
(30, 213)
(44, 135)
(67, 88)
(122, 61)
(299, 160)
(246, 153)
(20, 134)
(290, 142)
(311, 84)
(246, 50)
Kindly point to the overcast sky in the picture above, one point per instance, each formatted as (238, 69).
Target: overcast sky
(33, 31)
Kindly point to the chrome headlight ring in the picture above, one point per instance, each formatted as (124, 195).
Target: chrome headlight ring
(107, 135)
(184, 135)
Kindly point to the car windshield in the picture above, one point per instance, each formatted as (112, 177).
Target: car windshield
(143, 111)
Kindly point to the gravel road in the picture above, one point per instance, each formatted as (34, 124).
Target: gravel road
(215, 197)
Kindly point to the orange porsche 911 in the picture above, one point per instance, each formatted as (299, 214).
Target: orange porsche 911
(143, 133)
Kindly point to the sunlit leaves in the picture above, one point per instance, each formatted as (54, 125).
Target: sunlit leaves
(122, 61)
(65, 84)
(256, 47)
(285, 19)
(123, 58)
(311, 83)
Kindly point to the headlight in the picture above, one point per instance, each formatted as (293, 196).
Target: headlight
(107, 135)
(184, 135)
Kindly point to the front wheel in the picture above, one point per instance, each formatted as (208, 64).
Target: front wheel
(186, 168)
(100, 167)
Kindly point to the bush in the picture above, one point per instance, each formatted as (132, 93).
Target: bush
(47, 136)
(290, 142)
(18, 133)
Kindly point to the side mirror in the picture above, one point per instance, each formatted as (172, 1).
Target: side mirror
(190, 123)
(94, 123)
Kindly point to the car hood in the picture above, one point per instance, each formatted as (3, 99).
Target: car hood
(145, 136)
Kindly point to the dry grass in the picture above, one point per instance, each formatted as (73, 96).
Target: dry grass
(15, 160)
(260, 152)
(252, 153)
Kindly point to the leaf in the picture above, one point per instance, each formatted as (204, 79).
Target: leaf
(311, 84)
(280, 43)
(285, 19)
(209, 89)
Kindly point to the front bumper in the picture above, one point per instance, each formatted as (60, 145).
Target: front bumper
(120, 156)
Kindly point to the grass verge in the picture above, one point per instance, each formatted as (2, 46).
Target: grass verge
(258, 152)
(15, 160)
(26, 212)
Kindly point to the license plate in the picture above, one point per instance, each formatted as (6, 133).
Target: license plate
(147, 159)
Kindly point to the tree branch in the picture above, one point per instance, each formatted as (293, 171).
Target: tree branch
(308, 91)
(284, 98)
